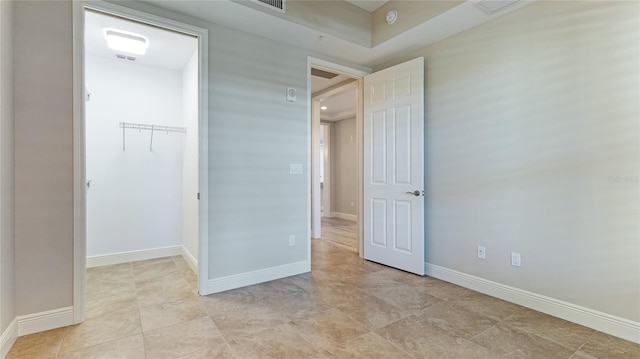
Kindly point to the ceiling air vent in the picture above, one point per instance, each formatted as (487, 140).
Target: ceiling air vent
(277, 5)
(495, 6)
(125, 57)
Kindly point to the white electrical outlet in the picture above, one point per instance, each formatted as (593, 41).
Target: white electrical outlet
(515, 259)
(292, 240)
(482, 252)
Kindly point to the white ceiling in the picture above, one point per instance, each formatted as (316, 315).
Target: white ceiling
(340, 106)
(167, 49)
(369, 5)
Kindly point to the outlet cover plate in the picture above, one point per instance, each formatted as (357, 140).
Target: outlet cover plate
(515, 259)
(482, 252)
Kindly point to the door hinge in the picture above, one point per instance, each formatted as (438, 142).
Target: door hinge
(198, 196)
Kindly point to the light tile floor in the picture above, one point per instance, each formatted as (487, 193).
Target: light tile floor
(345, 308)
(340, 231)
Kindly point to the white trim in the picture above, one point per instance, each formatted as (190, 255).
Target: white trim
(332, 66)
(308, 146)
(202, 262)
(610, 324)
(189, 258)
(8, 337)
(360, 146)
(50, 319)
(133, 256)
(347, 216)
(326, 185)
(316, 221)
(79, 176)
(259, 276)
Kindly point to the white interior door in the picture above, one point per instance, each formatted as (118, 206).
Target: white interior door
(394, 166)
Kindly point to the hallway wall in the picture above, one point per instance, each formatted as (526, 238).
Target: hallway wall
(344, 167)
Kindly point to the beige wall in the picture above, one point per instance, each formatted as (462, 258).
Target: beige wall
(532, 146)
(344, 167)
(410, 15)
(7, 284)
(337, 18)
(43, 156)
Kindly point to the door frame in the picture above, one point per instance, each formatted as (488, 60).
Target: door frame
(79, 154)
(326, 185)
(313, 137)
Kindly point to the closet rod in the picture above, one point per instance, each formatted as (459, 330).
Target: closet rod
(152, 128)
(142, 126)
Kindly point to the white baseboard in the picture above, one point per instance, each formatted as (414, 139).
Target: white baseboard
(189, 258)
(259, 276)
(132, 256)
(348, 217)
(39, 322)
(8, 337)
(610, 324)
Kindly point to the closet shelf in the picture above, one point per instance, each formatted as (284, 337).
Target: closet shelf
(141, 126)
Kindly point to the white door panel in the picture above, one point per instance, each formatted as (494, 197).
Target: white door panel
(394, 166)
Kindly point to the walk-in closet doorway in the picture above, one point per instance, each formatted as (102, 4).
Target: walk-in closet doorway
(141, 125)
(141, 133)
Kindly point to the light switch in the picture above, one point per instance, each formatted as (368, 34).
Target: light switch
(295, 168)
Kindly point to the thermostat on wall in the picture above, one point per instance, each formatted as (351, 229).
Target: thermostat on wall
(291, 94)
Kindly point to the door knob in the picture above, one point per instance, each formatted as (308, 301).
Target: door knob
(415, 193)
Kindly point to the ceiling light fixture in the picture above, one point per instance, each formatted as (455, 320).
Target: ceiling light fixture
(125, 41)
(323, 108)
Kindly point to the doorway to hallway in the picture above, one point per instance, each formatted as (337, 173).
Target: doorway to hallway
(335, 149)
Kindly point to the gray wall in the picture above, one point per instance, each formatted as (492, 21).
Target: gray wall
(43, 156)
(7, 286)
(532, 140)
(254, 134)
(344, 167)
(530, 119)
(251, 147)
